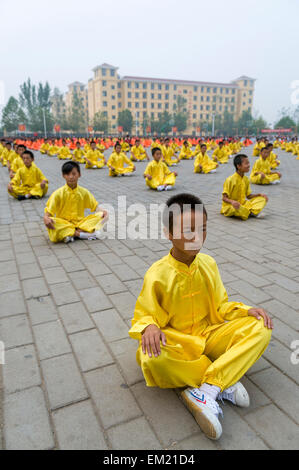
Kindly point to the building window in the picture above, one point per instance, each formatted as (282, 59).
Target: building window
(104, 72)
(201, 98)
(113, 106)
(201, 107)
(174, 106)
(208, 89)
(202, 89)
(129, 94)
(166, 87)
(136, 85)
(227, 91)
(194, 98)
(159, 106)
(144, 85)
(119, 105)
(105, 113)
(220, 99)
(244, 104)
(137, 95)
(112, 87)
(159, 96)
(226, 100)
(232, 100)
(113, 97)
(129, 104)
(119, 85)
(207, 116)
(250, 92)
(118, 95)
(185, 92)
(166, 96)
(214, 99)
(208, 108)
(152, 105)
(152, 115)
(152, 86)
(144, 113)
(220, 108)
(208, 98)
(159, 115)
(233, 91)
(214, 90)
(194, 106)
(195, 88)
(244, 94)
(144, 95)
(112, 72)
(166, 106)
(104, 93)
(200, 117)
(105, 104)
(232, 108)
(245, 82)
(113, 116)
(144, 104)
(104, 83)
(249, 101)
(159, 86)
(152, 96)
(214, 107)
(136, 105)
(194, 116)
(174, 97)
(225, 108)
(221, 90)
(129, 84)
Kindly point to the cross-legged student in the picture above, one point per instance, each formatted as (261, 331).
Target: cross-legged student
(29, 181)
(189, 334)
(64, 213)
(157, 174)
(261, 172)
(237, 198)
(117, 161)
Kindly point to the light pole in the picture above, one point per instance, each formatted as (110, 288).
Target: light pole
(45, 128)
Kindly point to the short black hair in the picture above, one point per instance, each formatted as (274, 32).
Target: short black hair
(155, 149)
(180, 200)
(238, 159)
(22, 145)
(264, 148)
(68, 166)
(203, 145)
(117, 143)
(28, 152)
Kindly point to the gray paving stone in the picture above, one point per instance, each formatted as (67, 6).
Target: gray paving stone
(167, 415)
(124, 272)
(283, 295)
(12, 303)
(63, 381)
(82, 280)
(20, 370)
(283, 312)
(110, 324)
(125, 304)
(95, 299)
(6, 255)
(55, 275)
(261, 364)
(255, 295)
(64, 293)
(136, 434)
(50, 340)
(114, 401)
(35, 288)
(77, 428)
(90, 350)
(125, 352)
(280, 356)
(75, 317)
(15, 331)
(111, 284)
(9, 282)
(8, 267)
(274, 427)
(197, 442)
(29, 271)
(27, 424)
(48, 261)
(96, 268)
(41, 310)
(72, 264)
(25, 258)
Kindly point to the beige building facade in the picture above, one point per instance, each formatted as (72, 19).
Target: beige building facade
(147, 98)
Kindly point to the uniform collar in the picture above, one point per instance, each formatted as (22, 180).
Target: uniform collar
(182, 267)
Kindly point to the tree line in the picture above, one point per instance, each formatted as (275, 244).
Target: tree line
(38, 107)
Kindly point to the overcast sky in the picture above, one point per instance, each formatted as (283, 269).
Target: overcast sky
(62, 40)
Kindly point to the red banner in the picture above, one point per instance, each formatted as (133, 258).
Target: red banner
(148, 129)
(198, 129)
(174, 129)
(120, 128)
(22, 127)
(57, 128)
(90, 129)
(272, 131)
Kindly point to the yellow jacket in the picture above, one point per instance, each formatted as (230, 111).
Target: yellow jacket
(27, 178)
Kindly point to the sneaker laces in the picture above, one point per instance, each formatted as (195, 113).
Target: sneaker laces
(227, 394)
(212, 404)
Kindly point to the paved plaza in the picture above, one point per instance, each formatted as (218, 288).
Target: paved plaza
(70, 379)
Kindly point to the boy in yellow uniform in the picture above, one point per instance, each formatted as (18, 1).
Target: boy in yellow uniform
(157, 175)
(116, 163)
(18, 161)
(53, 149)
(64, 152)
(186, 152)
(237, 199)
(189, 333)
(220, 154)
(94, 158)
(29, 181)
(261, 172)
(274, 162)
(64, 213)
(202, 163)
(168, 153)
(44, 148)
(138, 153)
(78, 154)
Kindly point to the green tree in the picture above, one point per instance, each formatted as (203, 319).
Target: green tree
(258, 124)
(125, 120)
(228, 124)
(181, 102)
(285, 122)
(145, 123)
(76, 118)
(180, 121)
(12, 115)
(165, 122)
(36, 103)
(58, 109)
(100, 122)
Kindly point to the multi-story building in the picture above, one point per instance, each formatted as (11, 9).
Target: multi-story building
(147, 98)
(81, 91)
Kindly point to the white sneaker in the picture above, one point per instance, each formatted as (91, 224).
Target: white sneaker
(205, 411)
(161, 188)
(94, 166)
(236, 394)
(68, 239)
(275, 182)
(213, 171)
(169, 188)
(99, 234)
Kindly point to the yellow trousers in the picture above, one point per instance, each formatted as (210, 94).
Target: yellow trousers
(120, 171)
(220, 357)
(267, 180)
(98, 164)
(155, 182)
(252, 206)
(35, 190)
(64, 228)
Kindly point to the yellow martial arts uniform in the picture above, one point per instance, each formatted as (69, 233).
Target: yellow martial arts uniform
(44, 148)
(11, 155)
(17, 164)
(208, 338)
(4, 155)
(205, 162)
(185, 153)
(238, 188)
(257, 149)
(220, 155)
(125, 147)
(138, 152)
(53, 150)
(101, 147)
(263, 166)
(118, 161)
(66, 207)
(78, 155)
(96, 158)
(168, 156)
(274, 163)
(64, 153)
(27, 181)
(160, 173)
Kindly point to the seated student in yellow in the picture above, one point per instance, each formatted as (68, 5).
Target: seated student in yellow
(261, 172)
(220, 154)
(64, 152)
(168, 153)
(5, 152)
(189, 334)
(202, 162)
(18, 161)
(257, 147)
(138, 153)
(29, 181)
(11, 156)
(274, 162)
(64, 213)
(78, 154)
(116, 163)
(52, 150)
(94, 158)
(186, 151)
(44, 147)
(157, 175)
(237, 199)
